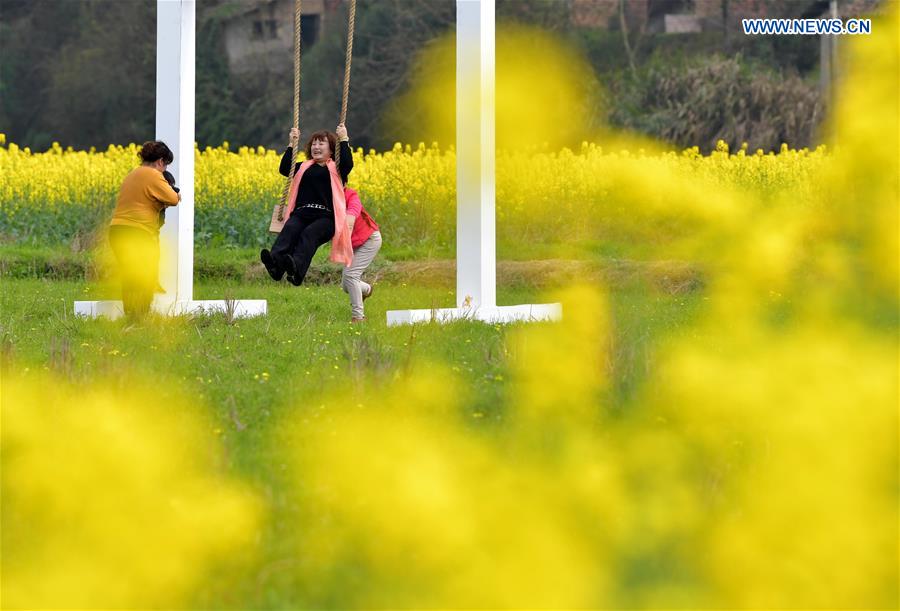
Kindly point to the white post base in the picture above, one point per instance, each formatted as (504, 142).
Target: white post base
(495, 314)
(242, 308)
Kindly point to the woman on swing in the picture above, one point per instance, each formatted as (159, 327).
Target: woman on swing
(316, 208)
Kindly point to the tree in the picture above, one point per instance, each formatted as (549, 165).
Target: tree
(31, 34)
(102, 85)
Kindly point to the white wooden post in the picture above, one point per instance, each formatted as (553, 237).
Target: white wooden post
(175, 49)
(476, 265)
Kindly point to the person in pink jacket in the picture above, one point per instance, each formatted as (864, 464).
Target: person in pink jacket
(365, 239)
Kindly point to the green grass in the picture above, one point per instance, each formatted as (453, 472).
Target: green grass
(61, 261)
(306, 346)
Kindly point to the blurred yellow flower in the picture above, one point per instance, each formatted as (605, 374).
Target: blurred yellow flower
(112, 498)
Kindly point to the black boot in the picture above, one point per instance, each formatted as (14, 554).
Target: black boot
(275, 270)
(287, 262)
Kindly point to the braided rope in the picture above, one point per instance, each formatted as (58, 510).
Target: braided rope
(345, 96)
(287, 185)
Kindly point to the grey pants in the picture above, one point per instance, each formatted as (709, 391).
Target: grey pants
(351, 276)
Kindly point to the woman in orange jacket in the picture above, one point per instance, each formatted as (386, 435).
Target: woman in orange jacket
(134, 228)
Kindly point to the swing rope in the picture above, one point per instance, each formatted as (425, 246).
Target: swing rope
(345, 96)
(287, 185)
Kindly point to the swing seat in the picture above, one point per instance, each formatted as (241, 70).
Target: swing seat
(278, 218)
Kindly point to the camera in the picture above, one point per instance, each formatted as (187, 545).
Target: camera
(171, 180)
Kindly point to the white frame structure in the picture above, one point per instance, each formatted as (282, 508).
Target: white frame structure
(476, 295)
(476, 263)
(175, 52)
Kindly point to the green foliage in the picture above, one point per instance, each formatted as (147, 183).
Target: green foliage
(31, 35)
(102, 80)
(720, 99)
(216, 105)
(81, 73)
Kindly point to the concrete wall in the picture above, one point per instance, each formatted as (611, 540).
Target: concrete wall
(262, 37)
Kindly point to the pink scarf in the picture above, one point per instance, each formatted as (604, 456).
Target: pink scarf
(341, 250)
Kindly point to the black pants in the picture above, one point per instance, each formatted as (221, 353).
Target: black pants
(301, 237)
(137, 252)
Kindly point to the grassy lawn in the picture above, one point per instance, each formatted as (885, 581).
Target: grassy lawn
(216, 261)
(307, 330)
(252, 372)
